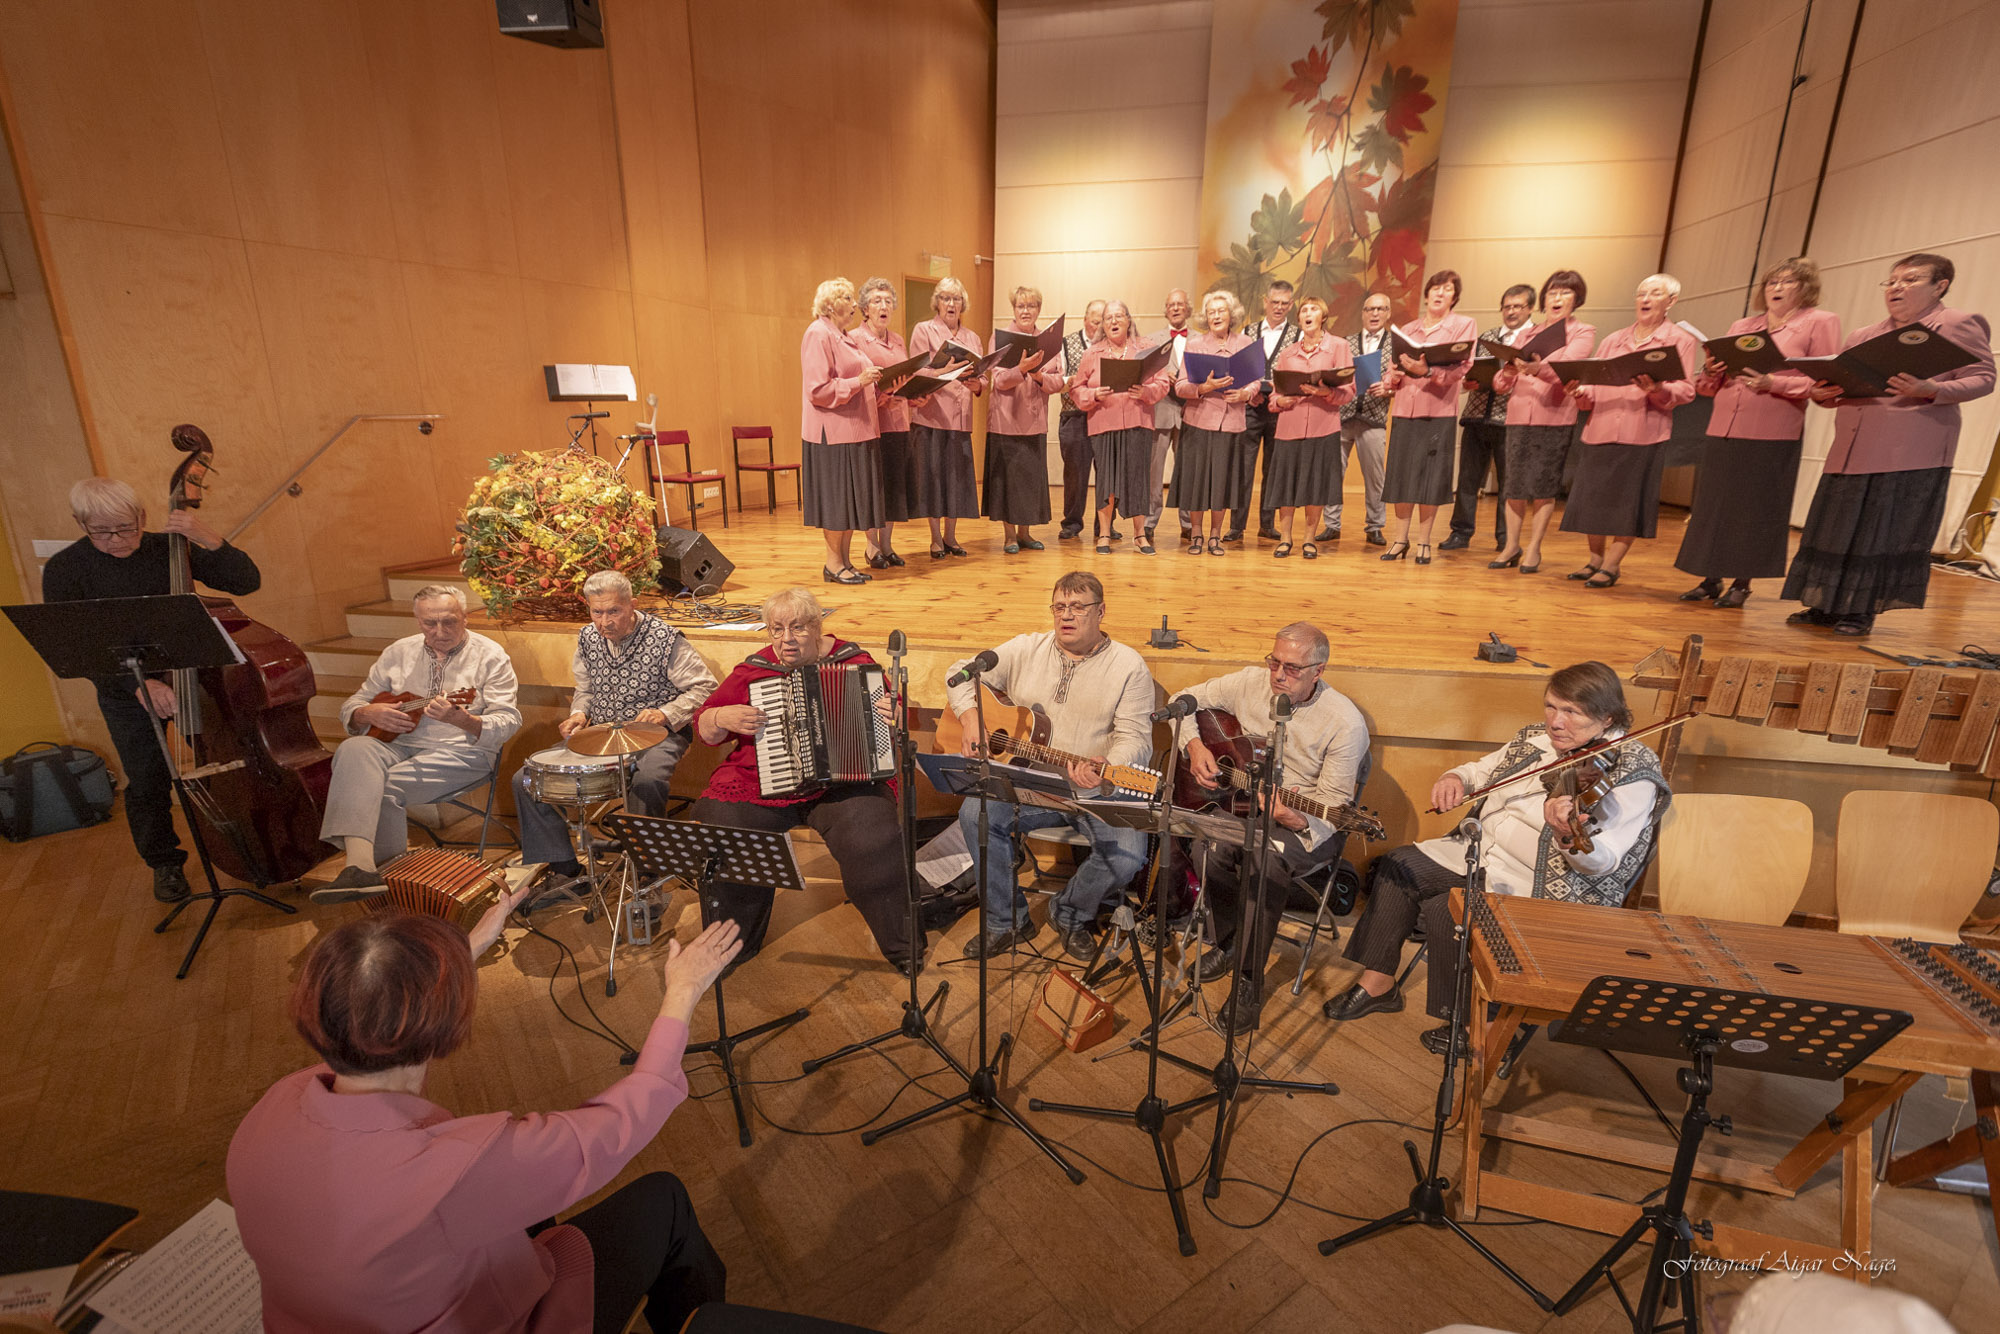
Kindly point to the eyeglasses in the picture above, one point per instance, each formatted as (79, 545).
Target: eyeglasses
(805, 630)
(1898, 284)
(1787, 282)
(113, 534)
(1072, 608)
(1292, 668)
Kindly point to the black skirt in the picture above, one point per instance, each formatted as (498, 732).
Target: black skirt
(1016, 485)
(1125, 469)
(1419, 471)
(1535, 456)
(946, 488)
(1616, 492)
(1304, 472)
(1866, 547)
(842, 485)
(899, 477)
(1205, 472)
(1742, 513)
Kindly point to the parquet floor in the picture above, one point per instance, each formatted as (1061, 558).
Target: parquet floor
(119, 1083)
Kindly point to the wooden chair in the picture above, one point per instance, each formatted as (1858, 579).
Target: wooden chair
(1742, 859)
(770, 467)
(658, 479)
(1912, 863)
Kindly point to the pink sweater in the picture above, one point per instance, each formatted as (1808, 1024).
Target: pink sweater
(891, 413)
(1121, 412)
(1020, 403)
(834, 408)
(950, 408)
(1907, 434)
(1312, 416)
(383, 1212)
(1436, 394)
(1209, 411)
(1742, 413)
(1626, 416)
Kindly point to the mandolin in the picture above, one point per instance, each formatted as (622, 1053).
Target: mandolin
(415, 704)
(1024, 734)
(1235, 753)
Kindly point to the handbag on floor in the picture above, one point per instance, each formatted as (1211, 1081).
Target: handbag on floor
(46, 788)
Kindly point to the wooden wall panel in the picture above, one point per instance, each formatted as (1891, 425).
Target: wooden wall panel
(652, 84)
(562, 162)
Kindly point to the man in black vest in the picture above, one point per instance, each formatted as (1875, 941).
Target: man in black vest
(1278, 330)
(629, 668)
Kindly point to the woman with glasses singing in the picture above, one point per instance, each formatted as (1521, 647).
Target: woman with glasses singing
(1749, 464)
(117, 558)
(857, 820)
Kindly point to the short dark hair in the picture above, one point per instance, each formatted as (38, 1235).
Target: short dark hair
(1446, 278)
(389, 990)
(1279, 286)
(1568, 278)
(1942, 269)
(1081, 581)
(1518, 289)
(1594, 688)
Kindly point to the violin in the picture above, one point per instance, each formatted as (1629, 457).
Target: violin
(1587, 783)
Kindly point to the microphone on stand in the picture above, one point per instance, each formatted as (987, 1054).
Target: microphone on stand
(898, 645)
(1177, 708)
(1469, 829)
(986, 661)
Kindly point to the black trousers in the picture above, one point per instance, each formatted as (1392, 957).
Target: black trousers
(1229, 875)
(646, 1242)
(858, 822)
(1409, 886)
(149, 788)
(1073, 432)
(1480, 443)
(1261, 428)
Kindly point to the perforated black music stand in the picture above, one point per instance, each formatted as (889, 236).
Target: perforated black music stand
(1706, 1026)
(703, 854)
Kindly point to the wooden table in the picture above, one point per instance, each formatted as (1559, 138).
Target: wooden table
(1532, 959)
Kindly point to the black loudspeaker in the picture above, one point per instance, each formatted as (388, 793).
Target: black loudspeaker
(573, 23)
(690, 562)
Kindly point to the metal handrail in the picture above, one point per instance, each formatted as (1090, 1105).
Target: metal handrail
(290, 486)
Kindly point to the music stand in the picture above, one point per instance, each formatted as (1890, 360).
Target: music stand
(703, 854)
(1706, 1026)
(107, 638)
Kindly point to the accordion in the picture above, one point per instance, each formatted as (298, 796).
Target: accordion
(443, 884)
(821, 727)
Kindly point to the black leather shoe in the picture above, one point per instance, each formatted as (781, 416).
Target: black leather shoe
(1068, 534)
(170, 884)
(1456, 542)
(1077, 942)
(1215, 963)
(1437, 1041)
(1240, 1014)
(1732, 598)
(1232, 537)
(351, 884)
(1705, 591)
(999, 942)
(1270, 534)
(1354, 1003)
(1327, 535)
(1375, 538)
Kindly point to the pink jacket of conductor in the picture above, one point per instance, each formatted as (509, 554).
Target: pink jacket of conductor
(379, 1211)
(1535, 397)
(1209, 411)
(1627, 416)
(950, 408)
(1436, 394)
(1312, 416)
(1741, 413)
(1906, 434)
(1120, 412)
(835, 411)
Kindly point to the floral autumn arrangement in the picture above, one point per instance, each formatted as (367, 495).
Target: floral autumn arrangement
(540, 524)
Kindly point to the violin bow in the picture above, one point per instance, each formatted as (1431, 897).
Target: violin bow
(1567, 760)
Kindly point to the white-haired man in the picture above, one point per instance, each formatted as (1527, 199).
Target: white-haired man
(629, 667)
(1167, 412)
(435, 749)
(117, 558)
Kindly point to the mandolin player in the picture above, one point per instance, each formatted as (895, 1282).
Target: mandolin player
(1099, 696)
(117, 558)
(1326, 758)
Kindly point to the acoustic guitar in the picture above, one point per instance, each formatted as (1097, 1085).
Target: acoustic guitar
(1236, 755)
(1024, 734)
(413, 705)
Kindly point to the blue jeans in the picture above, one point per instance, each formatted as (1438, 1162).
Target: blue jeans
(1116, 855)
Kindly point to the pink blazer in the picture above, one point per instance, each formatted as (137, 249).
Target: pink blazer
(1625, 416)
(1020, 403)
(891, 413)
(1310, 416)
(834, 408)
(1123, 412)
(1905, 434)
(1436, 394)
(1208, 411)
(1535, 397)
(1742, 413)
(950, 408)
(382, 1211)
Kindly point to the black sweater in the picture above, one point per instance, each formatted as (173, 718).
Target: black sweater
(81, 571)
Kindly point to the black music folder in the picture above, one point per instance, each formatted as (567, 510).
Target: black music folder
(1551, 340)
(1116, 373)
(1662, 361)
(1294, 383)
(895, 372)
(1435, 355)
(1864, 370)
(951, 352)
(1756, 353)
(1481, 371)
(1048, 340)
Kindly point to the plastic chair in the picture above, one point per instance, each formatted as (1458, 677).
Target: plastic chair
(1738, 858)
(770, 467)
(658, 479)
(491, 782)
(1912, 863)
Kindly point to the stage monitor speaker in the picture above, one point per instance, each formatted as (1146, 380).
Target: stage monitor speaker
(690, 562)
(572, 23)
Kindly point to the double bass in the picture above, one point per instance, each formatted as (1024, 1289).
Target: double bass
(245, 730)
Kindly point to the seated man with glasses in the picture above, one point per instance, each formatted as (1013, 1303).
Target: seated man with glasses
(1325, 757)
(118, 558)
(1098, 695)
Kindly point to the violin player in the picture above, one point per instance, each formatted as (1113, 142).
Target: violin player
(1528, 842)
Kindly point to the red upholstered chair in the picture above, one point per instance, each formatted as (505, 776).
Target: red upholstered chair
(659, 479)
(770, 467)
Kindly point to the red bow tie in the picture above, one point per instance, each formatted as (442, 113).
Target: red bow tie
(1178, 333)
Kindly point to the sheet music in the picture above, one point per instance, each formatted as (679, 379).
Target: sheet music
(199, 1280)
(38, 1292)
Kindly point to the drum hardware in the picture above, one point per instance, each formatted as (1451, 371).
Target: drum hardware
(617, 738)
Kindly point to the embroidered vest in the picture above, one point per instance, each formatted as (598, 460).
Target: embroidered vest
(1555, 878)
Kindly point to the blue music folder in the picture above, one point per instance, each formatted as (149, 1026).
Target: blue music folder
(1367, 371)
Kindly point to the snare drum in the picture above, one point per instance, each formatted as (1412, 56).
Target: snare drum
(561, 777)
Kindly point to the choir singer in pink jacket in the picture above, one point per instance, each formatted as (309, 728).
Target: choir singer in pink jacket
(1016, 481)
(1423, 416)
(1121, 429)
(841, 475)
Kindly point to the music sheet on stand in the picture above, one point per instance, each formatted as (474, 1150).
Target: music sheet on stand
(199, 1280)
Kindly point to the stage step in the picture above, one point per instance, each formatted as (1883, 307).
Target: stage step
(386, 620)
(346, 656)
(403, 581)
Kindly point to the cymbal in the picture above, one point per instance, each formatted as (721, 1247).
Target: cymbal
(617, 738)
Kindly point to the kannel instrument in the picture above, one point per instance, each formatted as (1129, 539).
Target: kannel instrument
(1024, 734)
(443, 884)
(408, 703)
(821, 726)
(244, 730)
(1236, 755)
